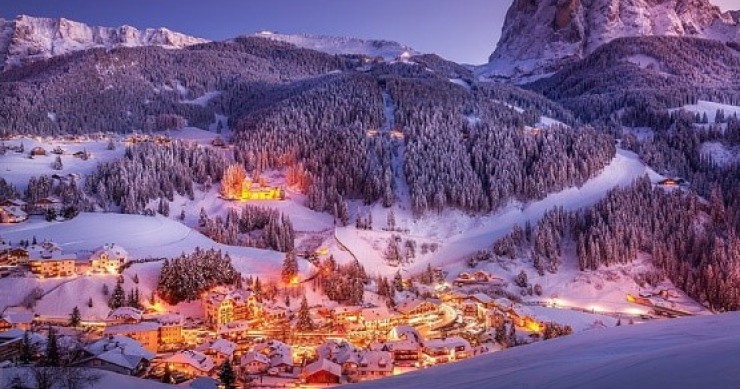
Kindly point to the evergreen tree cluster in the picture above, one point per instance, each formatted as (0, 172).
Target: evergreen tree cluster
(130, 89)
(149, 172)
(184, 278)
(238, 228)
(344, 284)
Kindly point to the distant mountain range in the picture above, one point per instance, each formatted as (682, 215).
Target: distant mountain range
(26, 38)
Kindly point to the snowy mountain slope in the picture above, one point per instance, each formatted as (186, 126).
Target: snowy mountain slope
(686, 353)
(26, 38)
(541, 37)
(388, 50)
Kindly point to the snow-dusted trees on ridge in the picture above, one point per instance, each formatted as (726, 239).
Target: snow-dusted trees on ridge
(276, 228)
(149, 172)
(184, 278)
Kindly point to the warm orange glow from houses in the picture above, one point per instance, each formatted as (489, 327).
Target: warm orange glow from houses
(235, 185)
(295, 280)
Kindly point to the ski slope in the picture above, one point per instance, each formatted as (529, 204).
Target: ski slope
(698, 352)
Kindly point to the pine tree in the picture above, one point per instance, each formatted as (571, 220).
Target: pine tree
(118, 298)
(27, 351)
(75, 317)
(52, 357)
(304, 323)
(57, 165)
(290, 268)
(227, 376)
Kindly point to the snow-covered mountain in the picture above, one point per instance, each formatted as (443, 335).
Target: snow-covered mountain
(539, 37)
(26, 38)
(685, 353)
(389, 50)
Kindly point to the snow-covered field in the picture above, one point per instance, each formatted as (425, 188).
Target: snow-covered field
(700, 352)
(17, 168)
(710, 108)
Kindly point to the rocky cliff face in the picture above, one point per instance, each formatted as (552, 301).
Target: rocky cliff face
(26, 38)
(541, 36)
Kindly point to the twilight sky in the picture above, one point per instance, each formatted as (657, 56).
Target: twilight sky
(461, 30)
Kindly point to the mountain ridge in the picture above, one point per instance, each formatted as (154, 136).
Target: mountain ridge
(27, 38)
(539, 39)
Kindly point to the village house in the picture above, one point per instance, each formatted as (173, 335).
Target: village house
(279, 354)
(38, 151)
(108, 259)
(116, 353)
(10, 346)
(224, 305)
(47, 260)
(146, 333)
(236, 331)
(445, 350)
(322, 371)
(190, 363)
(254, 363)
(415, 310)
(368, 365)
(12, 256)
(170, 330)
(51, 203)
(406, 352)
(12, 214)
(16, 318)
(219, 350)
(124, 315)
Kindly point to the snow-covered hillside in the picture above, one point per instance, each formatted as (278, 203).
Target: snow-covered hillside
(538, 38)
(28, 38)
(687, 353)
(388, 50)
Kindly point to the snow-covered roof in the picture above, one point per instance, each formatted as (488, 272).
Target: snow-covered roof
(129, 328)
(278, 352)
(220, 294)
(404, 332)
(377, 313)
(482, 298)
(122, 344)
(254, 357)
(447, 343)
(18, 317)
(112, 251)
(14, 211)
(193, 358)
(221, 346)
(337, 351)
(234, 326)
(203, 383)
(13, 202)
(121, 358)
(126, 313)
(375, 361)
(396, 345)
(323, 365)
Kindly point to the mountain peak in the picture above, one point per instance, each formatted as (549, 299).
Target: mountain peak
(29, 38)
(540, 37)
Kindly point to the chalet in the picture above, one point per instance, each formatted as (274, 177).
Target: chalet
(108, 259)
(379, 318)
(125, 315)
(406, 352)
(279, 354)
(220, 350)
(335, 350)
(322, 371)
(494, 318)
(50, 203)
(17, 318)
(438, 351)
(416, 309)
(190, 363)
(14, 203)
(483, 300)
(47, 260)
(672, 182)
(368, 365)
(13, 256)
(119, 354)
(146, 333)
(218, 142)
(254, 363)
(523, 317)
(12, 214)
(170, 329)
(235, 331)
(274, 314)
(224, 305)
